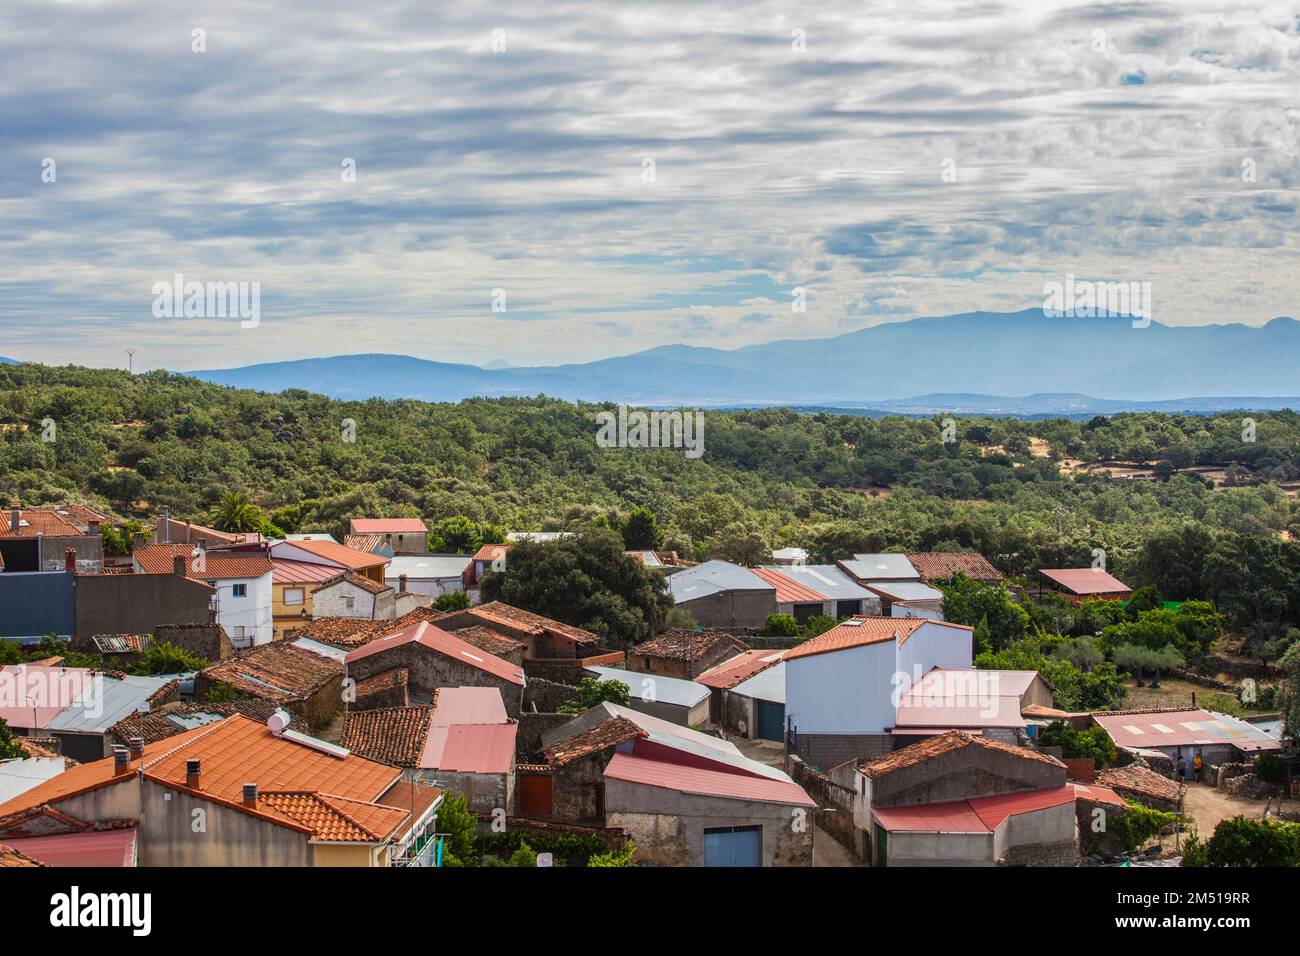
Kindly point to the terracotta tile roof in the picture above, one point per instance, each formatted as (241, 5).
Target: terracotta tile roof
(415, 798)
(859, 631)
(788, 590)
(348, 632)
(436, 639)
(387, 526)
(34, 522)
(9, 857)
(186, 532)
(1142, 781)
(527, 620)
(44, 747)
(340, 554)
(357, 580)
(335, 819)
(171, 719)
(494, 642)
(121, 643)
(1038, 710)
(739, 669)
(369, 543)
(949, 742)
(937, 565)
(384, 680)
(608, 733)
(217, 566)
(278, 671)
(684, 644)
(393, 735)
(1085, 580)
(490, 552)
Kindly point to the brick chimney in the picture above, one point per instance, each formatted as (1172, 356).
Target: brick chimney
(121, 760)
(193, 776)
(401, 582)
(250, 794)
(178, 564)
(70, 560)
(92, 526)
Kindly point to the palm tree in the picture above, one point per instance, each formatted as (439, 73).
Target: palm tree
(234, 512)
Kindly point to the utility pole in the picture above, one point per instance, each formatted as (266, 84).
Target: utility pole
(130, 361)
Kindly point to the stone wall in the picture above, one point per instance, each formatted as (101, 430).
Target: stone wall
(824, 751)
(430, 669)
(208, 641)
(830, 796)
(544, 696)
(532, 726)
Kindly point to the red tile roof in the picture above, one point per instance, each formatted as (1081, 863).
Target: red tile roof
(278, 671)
(685, 644)
(392, 735)
(606, 734)
(34, 522)
(788, 590)
(1086, 580)
(387, 526)
(937, 565)
(713, 783)
(217, 565)
(505, 614)
(740, 668)
(356, 580)
(859, 631)
(348, 632)
(953, 740)
(1142, 781)
(436, 639)
(9, 857)
(335, 819)
(492, 641)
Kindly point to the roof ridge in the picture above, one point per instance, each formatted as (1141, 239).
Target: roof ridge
(210, 729)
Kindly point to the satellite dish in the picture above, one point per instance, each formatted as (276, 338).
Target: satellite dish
(278, 722)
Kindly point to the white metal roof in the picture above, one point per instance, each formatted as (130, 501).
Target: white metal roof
(426, 566)
(712, 577)
(766, 685)
(827, 579)
(666, 690)
(868, 566)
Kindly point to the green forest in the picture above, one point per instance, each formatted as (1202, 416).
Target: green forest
(1015, 490)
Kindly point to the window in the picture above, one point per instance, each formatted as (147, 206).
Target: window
(240, 590)
(294, 596)
(349, 601)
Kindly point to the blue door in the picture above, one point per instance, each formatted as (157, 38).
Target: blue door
(770, 720)
(733, 846)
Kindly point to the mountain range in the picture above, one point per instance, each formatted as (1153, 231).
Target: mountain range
(974, 362)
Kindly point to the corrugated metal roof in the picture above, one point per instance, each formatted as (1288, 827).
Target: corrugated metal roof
(767, 685)
(954, 816)
(100, 707)
(739, 668)
(714, 783)
(906, 590)
(964, 699)
(1085, 580)
(788, 589)
(478, 748)
(99, 848)
(882, 566)
(1183, 728)
(286, 571)
(829, 580)
(469, 705)
(426, 566)
(712, 577)
(666, 690)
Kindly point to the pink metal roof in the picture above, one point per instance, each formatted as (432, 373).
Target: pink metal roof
(477, 748)
(964, 699)
(986, 814)
(285, 571)
(994, 809)
(102, 848)
(469, 705)
(1183, 728)
(435, 638)
(714, 783)
(953, 816)
(1086, 580)
(739, 668)
(788, 590)
(31, 695)
(388, 526)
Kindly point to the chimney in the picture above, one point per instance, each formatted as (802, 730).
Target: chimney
(250, 794)
(401, 582)
(192, 775)
(92, 526)
(202, 545)
(139, 539)
(70, 560)
(166, 525)
(136, 747)
(178, 564)
(15, 519)
(121, 760)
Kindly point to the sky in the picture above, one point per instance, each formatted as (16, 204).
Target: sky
(612, 177)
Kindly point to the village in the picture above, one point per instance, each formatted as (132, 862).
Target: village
(223, 698)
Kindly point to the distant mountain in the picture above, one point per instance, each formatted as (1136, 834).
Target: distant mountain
(973, 357)
(7, 361)
(497, 363)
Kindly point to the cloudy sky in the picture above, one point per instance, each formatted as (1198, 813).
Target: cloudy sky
(630, 175)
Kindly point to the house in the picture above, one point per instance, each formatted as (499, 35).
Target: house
(47, 535)
(721, 594)
(292, 588)
(369, 543)
(684, 798)
(788, 556)
(242, 579)
(178, 716)
(543, 638)
(840, 595)
(463, 742)
(337, 556)
(306, 684)
(400, 535)
(681, 652)
(1078, 584)
(490, 557)
(349, 594)
(238, 792)
(682, 702)
(435, 659)
(348, 633)
(994, 703)
(841, 685)
(795, 598)
(429, 574)
(940, 565)
(752, 717)
(1187, 734)
(49, 837)
(960, 800)
(907, 599)
(76, 705)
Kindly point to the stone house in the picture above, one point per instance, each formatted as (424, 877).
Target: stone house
(306, 684)
(681, 652)
(352, 595)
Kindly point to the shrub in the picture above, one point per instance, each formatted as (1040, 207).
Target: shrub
(621, 857)
(592, 692)
(1270, 768)
(524, 856)
(1245, 842)
(1138, 824)
(780, 625)
(1093, 743)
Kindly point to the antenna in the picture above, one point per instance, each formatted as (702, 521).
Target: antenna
(130, 361)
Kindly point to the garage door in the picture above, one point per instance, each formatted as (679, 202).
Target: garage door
(770, 720)
(733, 846)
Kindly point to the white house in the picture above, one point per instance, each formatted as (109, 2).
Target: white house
(351, 595)
(242, 579)
(843, 687)
(429, 574)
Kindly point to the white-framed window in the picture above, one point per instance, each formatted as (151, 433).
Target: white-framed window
(239, 590)
(295, 596)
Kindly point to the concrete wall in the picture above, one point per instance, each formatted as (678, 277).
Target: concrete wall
(250, 615)
(138, 603)
(483, 792)
(668, 827)
(189, 831)
(912, 848)
(824, 751)
(333, 601)
(36, 603)
(934, 645)
(696, 716)
(89, 548)
(732, 608)
(20, 775)
(1046, 837)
